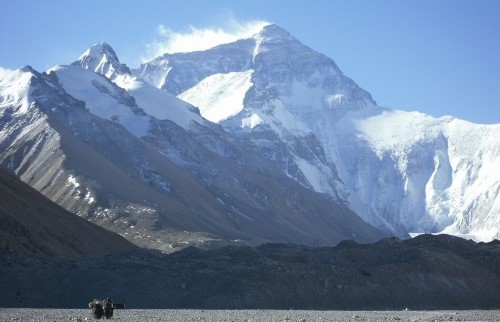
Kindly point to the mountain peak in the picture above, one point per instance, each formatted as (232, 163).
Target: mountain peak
(27, 69)
(98, 51)
(102, 59)
(274, 31)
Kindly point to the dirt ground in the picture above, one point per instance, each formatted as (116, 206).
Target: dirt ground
(248, 315)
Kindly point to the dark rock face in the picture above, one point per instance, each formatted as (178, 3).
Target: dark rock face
(428, 272)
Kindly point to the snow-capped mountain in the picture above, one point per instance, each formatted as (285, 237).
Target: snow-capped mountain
(143, 163)
(404, 172)
(262, 139)
(245, 86)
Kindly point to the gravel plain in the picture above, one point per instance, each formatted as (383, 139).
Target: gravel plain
(248, 315)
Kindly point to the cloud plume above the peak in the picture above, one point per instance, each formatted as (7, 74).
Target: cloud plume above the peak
(194, 38)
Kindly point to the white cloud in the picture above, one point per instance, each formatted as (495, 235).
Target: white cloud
(194, 38)
(4, 71)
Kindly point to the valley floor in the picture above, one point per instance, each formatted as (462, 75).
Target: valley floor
(248, 315)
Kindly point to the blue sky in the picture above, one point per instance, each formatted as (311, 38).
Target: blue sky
(440, 57)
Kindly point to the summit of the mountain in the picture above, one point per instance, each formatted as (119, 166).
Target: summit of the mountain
(274, 32)
(272, 64)
(28, 69)
(101, 58)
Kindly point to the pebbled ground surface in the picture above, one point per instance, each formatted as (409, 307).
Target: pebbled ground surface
(248, 315)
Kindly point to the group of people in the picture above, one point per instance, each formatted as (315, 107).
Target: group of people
(100, 309)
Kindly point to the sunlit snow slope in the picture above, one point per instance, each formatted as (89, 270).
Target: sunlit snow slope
(103, 98)
(220, 96)
(422, 174)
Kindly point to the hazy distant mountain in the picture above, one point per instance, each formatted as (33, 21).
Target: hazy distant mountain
(32, 224)
(400, 171)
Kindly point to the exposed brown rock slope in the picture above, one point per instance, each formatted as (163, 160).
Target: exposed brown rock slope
(32, 224)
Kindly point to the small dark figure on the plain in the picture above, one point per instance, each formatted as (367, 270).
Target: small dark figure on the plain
(108, 308)
(97, 309)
